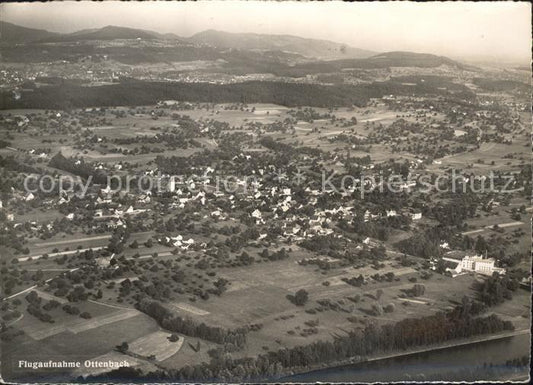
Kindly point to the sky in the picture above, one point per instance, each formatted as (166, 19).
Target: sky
(468, 30)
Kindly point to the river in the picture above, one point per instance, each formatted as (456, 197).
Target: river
(427, 365)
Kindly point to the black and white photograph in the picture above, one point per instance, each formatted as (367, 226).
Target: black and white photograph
(265, 192)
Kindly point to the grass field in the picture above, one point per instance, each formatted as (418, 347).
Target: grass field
(156, 344)
(250, 300)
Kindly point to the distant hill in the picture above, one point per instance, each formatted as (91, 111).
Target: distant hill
(294, 45)
(383, 60)
(410, 59)
(320, 49)
(106, 33)
(242, 52)
(14, 34)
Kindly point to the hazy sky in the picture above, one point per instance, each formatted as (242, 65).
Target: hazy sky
(459, 29)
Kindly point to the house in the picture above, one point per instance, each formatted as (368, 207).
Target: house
(104, 262)
(416, 216)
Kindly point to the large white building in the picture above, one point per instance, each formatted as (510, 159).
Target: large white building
(479, 265)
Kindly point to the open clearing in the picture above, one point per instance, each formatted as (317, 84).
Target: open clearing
(189, 308)
(156, 344)
(72, 324)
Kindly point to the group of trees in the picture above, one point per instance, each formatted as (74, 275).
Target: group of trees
(299, 298)
(34, 307)
(78, 167)
(276, 255)
(496, 289)
(425, 244)
(416, 291)
(134, 92)
(186, 326)
(40, 310)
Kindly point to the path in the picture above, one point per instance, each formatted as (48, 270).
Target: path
(73, 240)
(500, 225)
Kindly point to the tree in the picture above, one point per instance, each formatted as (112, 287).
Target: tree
(299, 298)
(123, 347)
(377, 309)
(174, 337)
(417, 290)
(85, 315)
(481, 245)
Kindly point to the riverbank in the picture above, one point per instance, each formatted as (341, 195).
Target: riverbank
(468, 341)
(410, 352)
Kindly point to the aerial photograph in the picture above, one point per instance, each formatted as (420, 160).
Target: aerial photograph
(265, 192)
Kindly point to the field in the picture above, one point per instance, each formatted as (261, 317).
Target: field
(156, 344)
(480, 161)
(251, 301)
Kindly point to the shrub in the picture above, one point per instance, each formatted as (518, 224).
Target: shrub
(85, 315)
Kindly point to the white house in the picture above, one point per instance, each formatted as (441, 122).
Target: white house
(172, 185)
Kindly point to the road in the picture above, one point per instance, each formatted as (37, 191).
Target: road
(59, 254)
(500, 225)
(73, 240)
